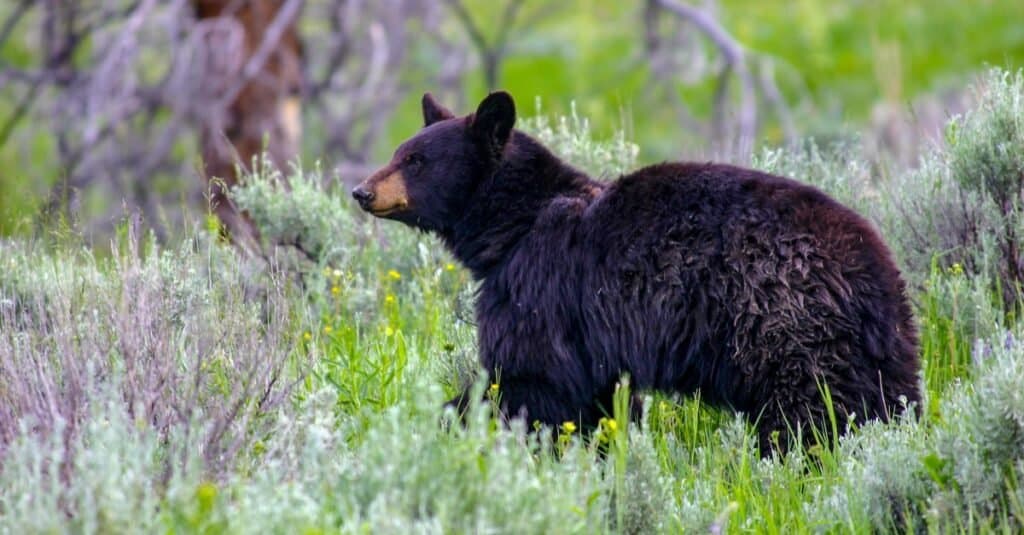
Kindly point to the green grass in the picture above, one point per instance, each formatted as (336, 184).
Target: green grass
(183, 389)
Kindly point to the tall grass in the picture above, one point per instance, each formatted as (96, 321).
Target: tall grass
(184, 389)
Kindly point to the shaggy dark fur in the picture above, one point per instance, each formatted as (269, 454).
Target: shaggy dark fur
(755, 289)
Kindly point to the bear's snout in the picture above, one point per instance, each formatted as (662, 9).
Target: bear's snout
(362, 195)
(383, 194)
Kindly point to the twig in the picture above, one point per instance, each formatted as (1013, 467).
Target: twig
(735, 60)
(19, 112)
(12, 21)
(493, 53)
(771, 93)
(284, 18)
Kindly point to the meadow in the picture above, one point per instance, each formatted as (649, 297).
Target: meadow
(181, 387)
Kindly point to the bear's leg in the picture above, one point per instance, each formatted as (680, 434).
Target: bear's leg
(790, 418)
(534, 400)
(538, 400)
(460, 403)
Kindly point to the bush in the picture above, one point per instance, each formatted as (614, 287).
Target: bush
(964, 469)
(179, 337)
(571, 139)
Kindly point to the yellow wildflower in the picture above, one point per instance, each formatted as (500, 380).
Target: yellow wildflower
(206, 494)
(568, 427)
(394, 275)
(307, 336)
(449, 267)
(388, 331)
(327, 329)
(389, 298)
(494, 388)
(335, 290)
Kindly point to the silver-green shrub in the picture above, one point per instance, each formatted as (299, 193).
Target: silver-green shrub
(570, 138)
(177, 336)
(967, 466)
(959, 204)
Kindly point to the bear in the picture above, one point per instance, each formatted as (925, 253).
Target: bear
(765, 294)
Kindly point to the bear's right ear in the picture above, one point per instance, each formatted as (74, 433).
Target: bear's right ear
(494, 120)
(434, 112)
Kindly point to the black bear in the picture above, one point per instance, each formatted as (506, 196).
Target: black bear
(761, 292)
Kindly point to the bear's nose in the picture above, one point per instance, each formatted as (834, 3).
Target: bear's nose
(362, 195)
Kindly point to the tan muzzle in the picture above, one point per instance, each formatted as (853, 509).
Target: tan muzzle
(383, 193)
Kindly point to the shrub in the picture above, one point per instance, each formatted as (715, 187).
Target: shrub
(570, 138)
(179, 336)
(965, 469)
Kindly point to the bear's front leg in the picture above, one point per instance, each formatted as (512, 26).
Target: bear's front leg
(460, 403)
(536, 399)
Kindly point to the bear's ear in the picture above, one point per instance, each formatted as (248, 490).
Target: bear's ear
(494, 120)
(434, 112)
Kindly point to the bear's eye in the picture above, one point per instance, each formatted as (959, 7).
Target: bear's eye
(413, 161)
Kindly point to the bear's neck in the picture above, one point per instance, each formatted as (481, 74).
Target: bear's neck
(506, 206)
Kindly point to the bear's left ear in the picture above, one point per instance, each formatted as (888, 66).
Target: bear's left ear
(494, 120)
(434, 112)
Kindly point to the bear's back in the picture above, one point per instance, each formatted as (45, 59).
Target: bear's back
(717, 260)
(724, 203)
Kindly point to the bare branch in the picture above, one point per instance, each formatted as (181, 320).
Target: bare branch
(491, 54)
(771, 92)
(475, 35)
(284, 18)
(12, 21)
(19, 111)
(735, 63)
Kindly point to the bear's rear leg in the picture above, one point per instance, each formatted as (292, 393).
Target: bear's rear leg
(785, 422)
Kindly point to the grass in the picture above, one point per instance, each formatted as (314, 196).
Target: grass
(180, 388)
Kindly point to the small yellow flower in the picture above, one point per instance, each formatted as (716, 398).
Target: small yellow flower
(206, 494)
(612, 426)
(956, 269)
(449, 267)
(328, 329)
(569, 428)
(494, 388)
(389, 298)
(207, 490)
(307, 336)
(394, 275)
(388, 331)
(335, 290)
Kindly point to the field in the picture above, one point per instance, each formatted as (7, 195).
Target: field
(182, 388)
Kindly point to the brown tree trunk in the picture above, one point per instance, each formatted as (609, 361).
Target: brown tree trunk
(260, 97)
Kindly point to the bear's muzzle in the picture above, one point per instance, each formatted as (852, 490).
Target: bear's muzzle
(383, 193)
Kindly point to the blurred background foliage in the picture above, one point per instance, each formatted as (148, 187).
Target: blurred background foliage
(841, 69)
(835, 61)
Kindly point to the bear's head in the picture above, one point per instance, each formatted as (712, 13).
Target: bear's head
(432, 176)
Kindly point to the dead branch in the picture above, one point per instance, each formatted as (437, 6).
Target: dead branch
(493, 53)
(13, 19)
(734, 66)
